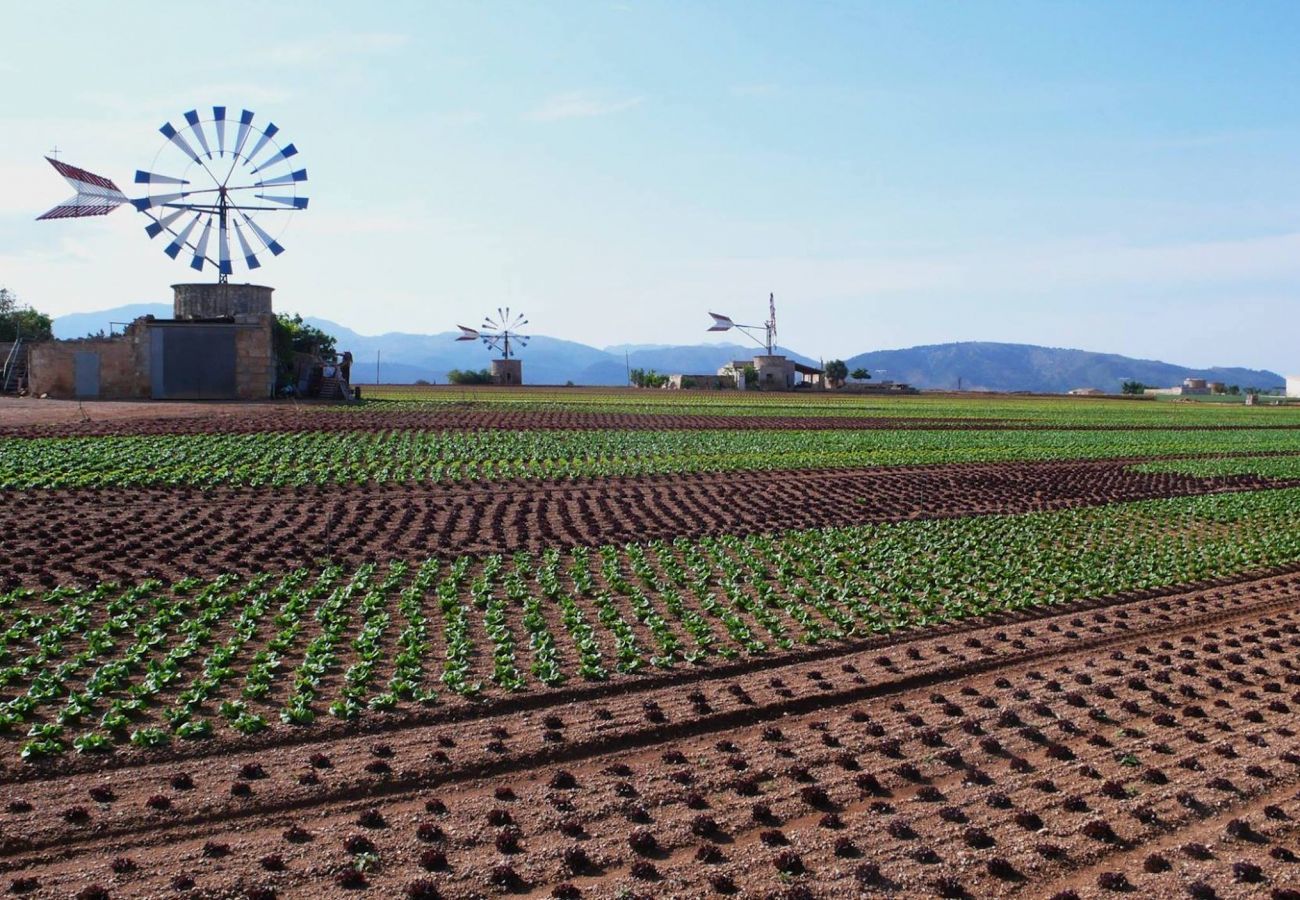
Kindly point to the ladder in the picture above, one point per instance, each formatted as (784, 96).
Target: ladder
(13, 377)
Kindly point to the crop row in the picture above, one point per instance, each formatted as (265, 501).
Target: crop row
(91, 669)
(1286, 466)
(300, 458)
(1041, 410)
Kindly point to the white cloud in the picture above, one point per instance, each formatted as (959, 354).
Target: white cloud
(580, 105)
(331, 47)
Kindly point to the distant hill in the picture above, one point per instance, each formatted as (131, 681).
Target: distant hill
(405, 358)
(1025, 367)
(79, 325)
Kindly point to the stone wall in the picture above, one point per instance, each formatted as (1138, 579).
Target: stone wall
(123, 365)
(507, 371)
(124, 362)
(254, 357)
(213, 301)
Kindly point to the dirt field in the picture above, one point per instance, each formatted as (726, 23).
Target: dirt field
(82, 535)
(1148, 743)
(1070, 745)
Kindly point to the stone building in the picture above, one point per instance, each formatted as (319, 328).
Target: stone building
(218, 346)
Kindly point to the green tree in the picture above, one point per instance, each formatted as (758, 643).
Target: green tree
(751, 378)
(836, 371)
(22, 321)
(290, 335)
(1133, 387)
(469, 376)
(1234, 389)
(860, 374)
(643, 378)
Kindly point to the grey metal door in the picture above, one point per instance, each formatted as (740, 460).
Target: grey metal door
(193, 362)
(85, 373)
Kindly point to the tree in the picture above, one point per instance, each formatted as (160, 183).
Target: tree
(647, 379)
(1234, 389)
(469, 376)
(290, 335)
(751, 377)
(1133, 387)
(860, 374)
(22, 321)
(836, 371)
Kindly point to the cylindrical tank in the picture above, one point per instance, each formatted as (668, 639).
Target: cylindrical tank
(211, 301)
(507, 371)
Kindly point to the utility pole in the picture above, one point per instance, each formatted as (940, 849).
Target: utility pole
(376, 367)
(627, 364)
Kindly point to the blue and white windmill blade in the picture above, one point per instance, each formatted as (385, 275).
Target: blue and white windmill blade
(223, 250)
(267, 241)
(284, 154)
(245, 123)
(182, 240)
(467, 334)
(179, 140)
(201, 251)
(197, 127)
(269, 133)
(290, 178)
(219, 117)
(143, 177)
(295, 202)
(250, 258)
(159, 225)
(145, 203)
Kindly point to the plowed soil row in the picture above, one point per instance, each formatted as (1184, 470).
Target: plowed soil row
(1024, 757)
(249, 420)
(87, 535)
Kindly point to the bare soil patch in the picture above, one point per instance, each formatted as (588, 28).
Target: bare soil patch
(1071, 751)
(83, 536)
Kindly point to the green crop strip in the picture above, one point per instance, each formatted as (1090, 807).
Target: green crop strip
(1052, 411)
(1265, 466)
(91, 669)
(296, 458)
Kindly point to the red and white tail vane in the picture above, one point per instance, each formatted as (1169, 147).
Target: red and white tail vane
(96, 195)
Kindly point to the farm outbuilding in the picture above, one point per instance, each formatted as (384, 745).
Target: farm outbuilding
(218, 346)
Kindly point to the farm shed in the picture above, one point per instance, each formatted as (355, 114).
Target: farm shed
(218, 347)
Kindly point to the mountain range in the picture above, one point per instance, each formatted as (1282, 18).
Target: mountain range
(969, 365)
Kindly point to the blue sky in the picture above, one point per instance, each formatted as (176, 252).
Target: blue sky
(1111, 176)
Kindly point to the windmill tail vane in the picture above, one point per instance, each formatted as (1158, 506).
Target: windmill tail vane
(95, 195)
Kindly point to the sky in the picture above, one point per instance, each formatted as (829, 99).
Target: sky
(1113, 176)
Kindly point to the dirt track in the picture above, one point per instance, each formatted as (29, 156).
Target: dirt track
(1008, 757)
(85, 535)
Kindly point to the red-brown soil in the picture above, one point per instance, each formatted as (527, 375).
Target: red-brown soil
(32, 419)
(1024, 757)
(123, 534)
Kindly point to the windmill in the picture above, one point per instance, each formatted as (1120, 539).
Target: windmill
(502, 335)
(218, 173)
(725, 323)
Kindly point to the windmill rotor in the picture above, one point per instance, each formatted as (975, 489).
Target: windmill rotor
(223, 189)
(500, 333)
